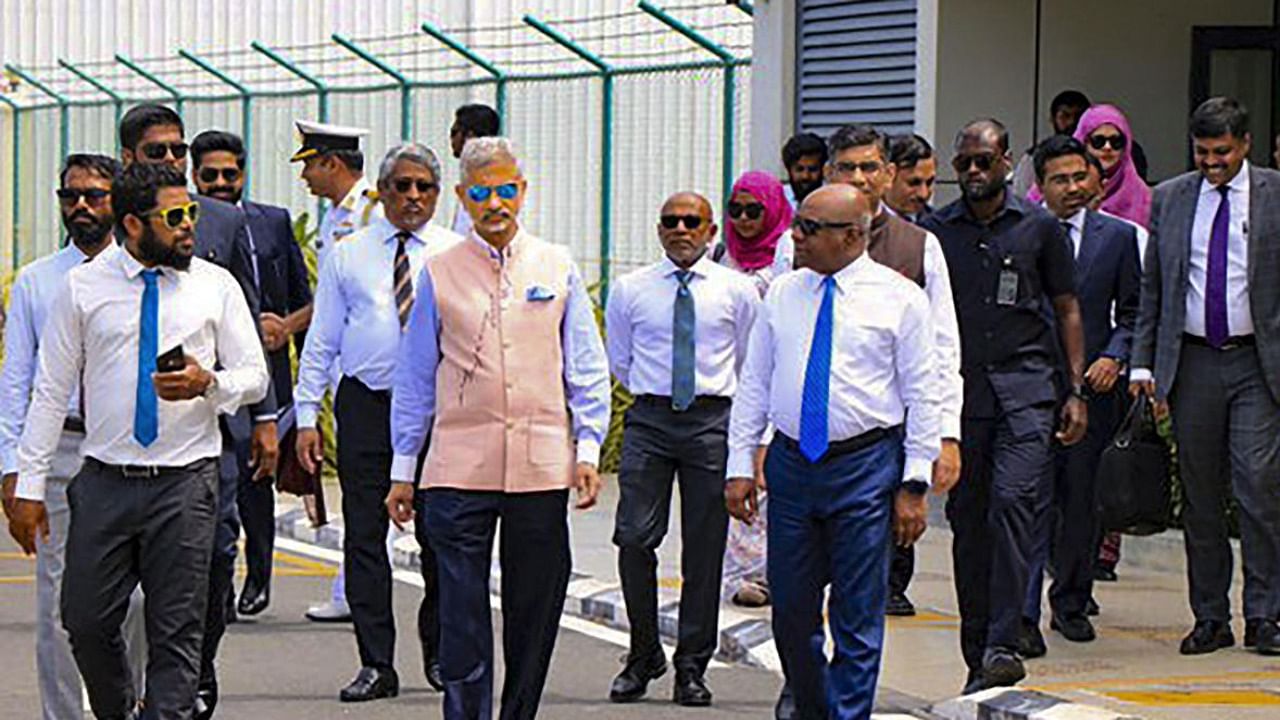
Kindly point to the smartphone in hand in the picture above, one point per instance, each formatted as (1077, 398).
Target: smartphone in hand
(172, 360)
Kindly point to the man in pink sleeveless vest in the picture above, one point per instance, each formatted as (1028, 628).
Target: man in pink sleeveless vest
(503, 365)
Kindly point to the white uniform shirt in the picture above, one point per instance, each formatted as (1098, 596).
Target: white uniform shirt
(356, 210)
(93, 331)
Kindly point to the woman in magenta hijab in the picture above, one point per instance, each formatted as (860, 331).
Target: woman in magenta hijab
(1105, 132)
(757, 215)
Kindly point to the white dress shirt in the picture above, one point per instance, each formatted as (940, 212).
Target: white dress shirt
(355, 313)
(93, 332)
(1138, 230)
(345, 218)
(882, 362)
(1239, 316)
(639, 321)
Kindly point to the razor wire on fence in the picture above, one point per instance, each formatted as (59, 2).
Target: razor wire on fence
(611, 114)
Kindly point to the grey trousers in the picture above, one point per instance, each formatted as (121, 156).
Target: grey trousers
(1228, 430)
(125, 530)
(61, 692)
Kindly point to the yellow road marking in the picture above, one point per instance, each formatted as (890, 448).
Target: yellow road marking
(17, 579)
(1175, 698)
(1233, 677)
(16, 556)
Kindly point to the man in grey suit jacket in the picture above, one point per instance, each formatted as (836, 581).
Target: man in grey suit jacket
(1208, 344)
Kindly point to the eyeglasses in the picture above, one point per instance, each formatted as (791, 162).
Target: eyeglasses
(158, 151)
(210, 175)
(983, 162)
(1117, 142)
(175, 214)
(71, 196)
(753, 211)
(671, 222)
(481, 193)
(869, 167)
(402, 185)
(812, 227)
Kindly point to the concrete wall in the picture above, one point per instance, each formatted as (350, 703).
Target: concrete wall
(773, 90)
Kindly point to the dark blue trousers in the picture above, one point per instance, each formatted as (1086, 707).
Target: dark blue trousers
(534, 554)
(829, 525)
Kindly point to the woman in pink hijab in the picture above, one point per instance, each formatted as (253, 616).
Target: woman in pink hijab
(1105, 132)
(757, 215)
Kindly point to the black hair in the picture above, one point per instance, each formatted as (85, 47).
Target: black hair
(851, 136)
(141, 118)
(1068, 98)
(1220, 116)
(477, 120)
(106, 167)
(801, 145)
(982, 124)
(1096, 163)
(353, 159)
(217, 141)
(135, 189)
(905, 151)
(1054, 147)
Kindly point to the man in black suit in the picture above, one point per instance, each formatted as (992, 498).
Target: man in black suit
(1107, 279)
(218, 161)
(151, 133)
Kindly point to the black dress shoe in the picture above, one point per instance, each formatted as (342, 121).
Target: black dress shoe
(973, 683)
(1251, 633)
(899, 605)
(632, 683)
(206, 701)
(432, 672)
(1075, 628)
(1091, 608)
(371, 684)
(1001, 668)
(1031, 641)
(1104, 574)
(691, 690)
(1206, 637)
(1268, 637)
(253, 599)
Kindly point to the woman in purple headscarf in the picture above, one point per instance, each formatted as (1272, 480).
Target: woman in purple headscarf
(1105, 132)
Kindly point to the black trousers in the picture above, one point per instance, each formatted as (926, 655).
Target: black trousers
(222, 566)
(902, 565)
(660, 445)
(534, 555)
(1004, 488)
(256, 502)
(157, 531)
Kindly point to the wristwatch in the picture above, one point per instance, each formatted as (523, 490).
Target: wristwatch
(916, 487)
(1080, 391)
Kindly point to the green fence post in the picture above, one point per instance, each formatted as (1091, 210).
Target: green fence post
(14, 113)
(175, 93)
(606, 142)
(499, 77)
(116, 100)
(246, 106)
(64, 107)
(322, 96)
(746, 7)
(406, 87)
(730, 86)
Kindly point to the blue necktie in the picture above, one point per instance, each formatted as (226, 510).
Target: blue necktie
(814, 439)
(683, 378)
(1216, 328)
(145, 421)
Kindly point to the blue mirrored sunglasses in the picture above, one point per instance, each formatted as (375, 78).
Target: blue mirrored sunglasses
(481, 193)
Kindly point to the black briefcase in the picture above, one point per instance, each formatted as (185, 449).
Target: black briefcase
(1133, 475)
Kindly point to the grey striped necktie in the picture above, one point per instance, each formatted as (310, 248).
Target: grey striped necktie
(402, 282)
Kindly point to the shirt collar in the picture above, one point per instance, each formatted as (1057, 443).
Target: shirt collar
(511, 247)
(1012, 204)
(701, 267)
(356, 192)
(1076, 221)
(132, 268)
(1238, 184)
(389, 231)
(845, 276)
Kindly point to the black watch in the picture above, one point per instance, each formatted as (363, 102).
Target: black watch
(1081, 392)
(916, 487)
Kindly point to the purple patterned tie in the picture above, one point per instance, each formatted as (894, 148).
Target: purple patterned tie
(1215, 282)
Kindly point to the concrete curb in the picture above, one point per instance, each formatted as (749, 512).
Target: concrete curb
(1017, 704)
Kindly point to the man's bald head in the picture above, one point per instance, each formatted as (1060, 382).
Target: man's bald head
(839, 203)
(986, 130)
(686, 198)
(831, 228)
(686, 227)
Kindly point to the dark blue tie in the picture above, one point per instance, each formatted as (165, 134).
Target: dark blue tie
(814, 438)
(145, 422)
(683, 377)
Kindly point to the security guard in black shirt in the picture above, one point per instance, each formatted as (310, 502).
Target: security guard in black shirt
(1007, 258)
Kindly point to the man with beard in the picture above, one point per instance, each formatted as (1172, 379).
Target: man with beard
(1006, 257)
(917, 171)
(138, 330)
(1064, 114)
(85, 201)
(153, 135)
(280, 276)
(804, 157)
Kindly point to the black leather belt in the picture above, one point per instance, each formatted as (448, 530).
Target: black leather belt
(1233, 342)
(149, 471)
(846, 446)
(73, 425)
(665, 400)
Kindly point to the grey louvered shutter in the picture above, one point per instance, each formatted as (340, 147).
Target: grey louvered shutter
(855, 62)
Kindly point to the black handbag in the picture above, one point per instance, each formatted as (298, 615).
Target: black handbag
(1133, 475)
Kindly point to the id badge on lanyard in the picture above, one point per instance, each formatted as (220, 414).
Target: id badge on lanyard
(1007, 289)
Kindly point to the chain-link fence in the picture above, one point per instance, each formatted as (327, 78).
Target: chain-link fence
(611, 113)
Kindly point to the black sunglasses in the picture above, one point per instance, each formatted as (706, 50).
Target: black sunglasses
(1117, 142)
(983, 162)
(402, 185)
(845, 167)
(691, 222)
(210, 175)
(753, 211)
(809, 227)
(71, 196)
(158, 151)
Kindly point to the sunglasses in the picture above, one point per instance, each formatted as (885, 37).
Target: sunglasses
(174, 215)
(753, 211)
(983, 162)
(1117, 142)
(71, 196)
(671, 222)
(869, 167)
(481, 193)
(210, 175)
(402, 185)
(158, 151)
(809, 227)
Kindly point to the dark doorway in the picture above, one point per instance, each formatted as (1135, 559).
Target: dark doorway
(1244, 63)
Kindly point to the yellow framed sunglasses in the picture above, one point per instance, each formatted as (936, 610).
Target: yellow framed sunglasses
(175, 214)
